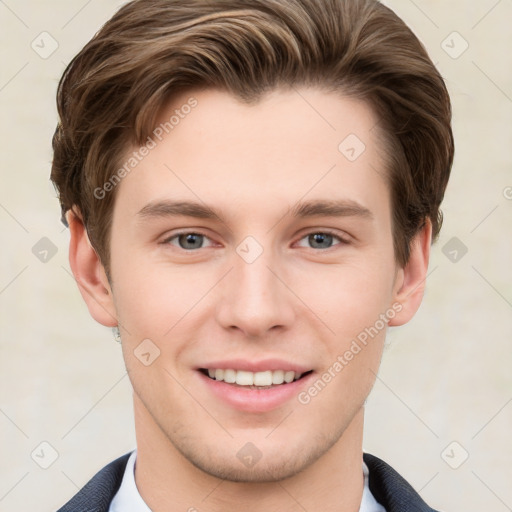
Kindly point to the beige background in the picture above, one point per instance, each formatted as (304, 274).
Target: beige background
(446, 377)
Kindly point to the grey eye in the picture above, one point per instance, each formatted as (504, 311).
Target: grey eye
(320, 240)
(188, 241)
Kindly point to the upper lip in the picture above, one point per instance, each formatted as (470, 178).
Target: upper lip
(255, 366)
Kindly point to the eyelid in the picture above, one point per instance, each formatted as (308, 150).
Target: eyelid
(344, 239)
(177, 234)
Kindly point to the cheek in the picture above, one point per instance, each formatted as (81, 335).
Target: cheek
(347, 298)
(151, 299)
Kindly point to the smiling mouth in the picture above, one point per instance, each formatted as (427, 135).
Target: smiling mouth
(253, 380)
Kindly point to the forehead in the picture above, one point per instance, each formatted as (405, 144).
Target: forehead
(210, 147)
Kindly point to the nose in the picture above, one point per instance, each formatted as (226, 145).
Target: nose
(255, 298)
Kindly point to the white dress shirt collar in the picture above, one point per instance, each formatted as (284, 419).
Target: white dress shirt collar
(128, 498)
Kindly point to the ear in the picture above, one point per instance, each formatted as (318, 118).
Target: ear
(89, 273)
(410, 280)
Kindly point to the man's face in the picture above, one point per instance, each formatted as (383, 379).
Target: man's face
(275, 283)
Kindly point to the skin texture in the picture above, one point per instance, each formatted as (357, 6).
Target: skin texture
(299, 301)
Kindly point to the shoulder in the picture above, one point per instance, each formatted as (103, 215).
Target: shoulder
(392, 490)
(97, 494)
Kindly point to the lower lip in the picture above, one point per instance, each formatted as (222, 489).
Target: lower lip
(255, 400)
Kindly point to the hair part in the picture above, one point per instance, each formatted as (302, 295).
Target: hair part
(110, 96)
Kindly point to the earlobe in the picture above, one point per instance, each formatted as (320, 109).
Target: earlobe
(410, 280)
(89, 273)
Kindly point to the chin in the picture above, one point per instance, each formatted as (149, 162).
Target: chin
(263, 471)
(244, 462)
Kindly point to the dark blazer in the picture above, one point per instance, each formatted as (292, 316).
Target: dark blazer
(388, 487)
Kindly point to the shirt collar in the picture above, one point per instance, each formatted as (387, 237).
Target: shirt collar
(128, 498)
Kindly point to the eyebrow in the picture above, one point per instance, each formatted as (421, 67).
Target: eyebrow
(315, 208)
(331, 208)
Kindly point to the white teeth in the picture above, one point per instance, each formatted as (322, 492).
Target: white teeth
(263, 378)
(230, 376)
(289, 376)
(278, 377)
(244, 378)
(260, 379)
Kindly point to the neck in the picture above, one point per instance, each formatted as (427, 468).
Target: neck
(167, 481)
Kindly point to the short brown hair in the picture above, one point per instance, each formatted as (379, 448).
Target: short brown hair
(111, 93)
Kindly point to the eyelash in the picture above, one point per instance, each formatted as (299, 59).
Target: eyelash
(342, 240)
